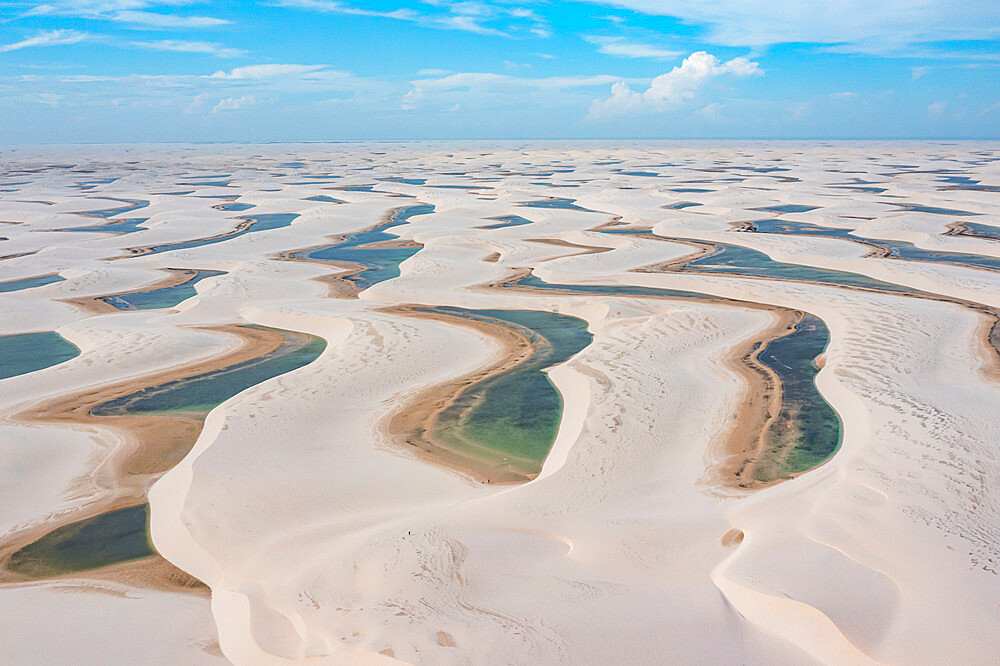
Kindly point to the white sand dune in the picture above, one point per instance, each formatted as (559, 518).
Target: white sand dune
(324, 540)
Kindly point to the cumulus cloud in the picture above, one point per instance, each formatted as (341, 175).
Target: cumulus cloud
(619, 46)
(47, 38)
(936, 110)
(681, 84)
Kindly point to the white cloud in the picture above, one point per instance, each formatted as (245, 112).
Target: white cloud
(234, 103)
(331, 7)
(267, 71)
(154, 20)
(799, 110)
(936, 110)
(861, 25)
(135, 12)
(181, 46)
(466, 15)
(618, 46)
(710, 112)
(679, 85)
(477, 86)
(47, 38)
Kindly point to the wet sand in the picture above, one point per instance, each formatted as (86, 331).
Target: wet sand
(414, 425)
(95, 305)
(144, 447)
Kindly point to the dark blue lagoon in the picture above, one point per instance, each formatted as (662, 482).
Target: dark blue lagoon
(977, 230)
(131, 205)
(201, 392)
(505, 423)
(556, 202)
(234, 207)
(368, 249)
(28, 283)
(807, 430)
(728, 259)
(162, 297)
(122, 534)
(250, 224)
(22, 353)
(899, 249)
(507, 221)
(108, 538)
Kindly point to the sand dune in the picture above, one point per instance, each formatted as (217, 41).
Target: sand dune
(323, 536)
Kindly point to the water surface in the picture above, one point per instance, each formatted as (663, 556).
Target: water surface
(200, 393)
(510, 420)
(380, 263)
(556, 202)
(122, 535)
(900, 249)
(507, 221)
(162, 297)
(108, 538)
(28, 283)
(22, 353)
(263, 222)
(807, 431)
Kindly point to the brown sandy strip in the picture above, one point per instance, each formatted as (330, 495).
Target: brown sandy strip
(874, 249)
(992, 336)
(741, 444)
(961, 229)
(94, 304)
(763, 382)
(337, 284)
(746, 440)
(558, 242)
(492, 258)
(18, 254)
(33, 277)
(413, 426)
(153, 444)
(148, 249)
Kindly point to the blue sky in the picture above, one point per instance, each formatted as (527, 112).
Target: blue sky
(148, 70)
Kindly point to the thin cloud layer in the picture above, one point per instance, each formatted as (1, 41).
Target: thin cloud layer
(856, 25)
(46, 38)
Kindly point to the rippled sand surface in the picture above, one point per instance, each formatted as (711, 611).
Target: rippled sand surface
(685, 510)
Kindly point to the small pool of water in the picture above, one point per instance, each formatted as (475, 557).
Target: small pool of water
(507, 221)
(28, 283)
(263, 222)
(22, 353)
(380, 264)
(510, 420)
(901, 249)
(202, 392)
(163, 297)
(556, 202)
(235, 207)
(788, 208)
(807, 431)
(108, 538)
